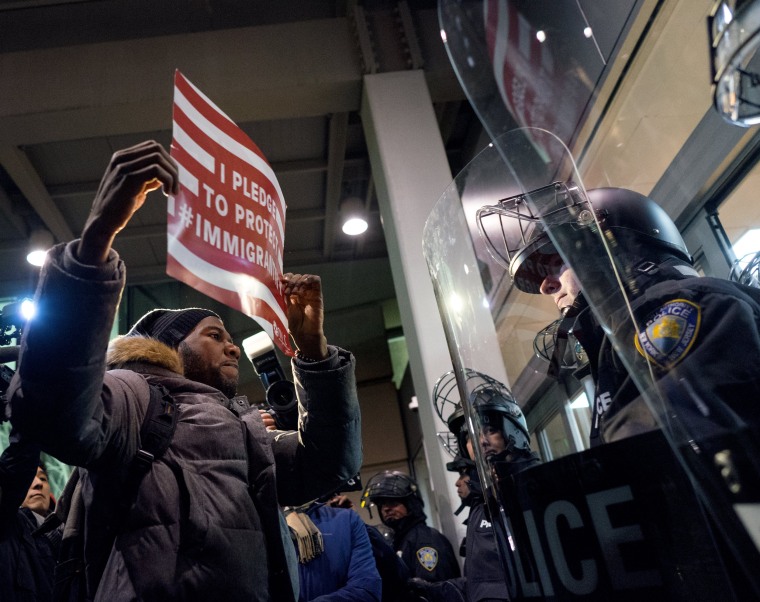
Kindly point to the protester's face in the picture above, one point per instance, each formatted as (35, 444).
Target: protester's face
(391, 509)
(38, 497)
(562, 286)
(210, 357)
(463, 484)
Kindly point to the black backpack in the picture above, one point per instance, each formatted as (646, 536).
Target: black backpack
(68, 520)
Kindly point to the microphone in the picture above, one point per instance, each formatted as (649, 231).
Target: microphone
(281, 401)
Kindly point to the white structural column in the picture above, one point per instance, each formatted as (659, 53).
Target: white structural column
(411, 172)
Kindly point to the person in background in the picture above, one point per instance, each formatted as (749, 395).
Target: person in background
(39, 499)
(699, 336)
(27, 559)
(427, 553)
(336, 561)
(670, 349)
(206, 521)
(393, 572)
(504, 444)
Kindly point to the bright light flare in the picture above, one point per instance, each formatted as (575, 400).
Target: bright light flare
(355, 226)
(28, 309)
(37, 258)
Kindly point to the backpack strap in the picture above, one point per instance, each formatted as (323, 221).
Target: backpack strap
(156, 435)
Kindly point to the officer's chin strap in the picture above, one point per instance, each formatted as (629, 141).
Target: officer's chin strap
(564, 327)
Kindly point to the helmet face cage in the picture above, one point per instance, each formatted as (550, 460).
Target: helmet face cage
(733, 27)
(446, 398)
(514, 228)
(449, 442)
(640, 227)
(488, 397)
(447, 402)
(746, 270)
(545, 341)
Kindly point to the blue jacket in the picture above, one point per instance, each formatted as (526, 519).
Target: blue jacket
(346, 569)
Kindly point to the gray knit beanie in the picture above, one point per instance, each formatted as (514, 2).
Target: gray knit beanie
(170, 326)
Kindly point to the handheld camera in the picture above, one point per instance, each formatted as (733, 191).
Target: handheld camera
(281, 400)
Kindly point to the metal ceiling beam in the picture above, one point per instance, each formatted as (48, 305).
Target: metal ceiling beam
(336, 153)
(6, 207)
(23, 173)
(281, 71)
(254, 73)
(29, 4)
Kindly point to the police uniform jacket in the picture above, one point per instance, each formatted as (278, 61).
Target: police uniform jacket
(427, 553)
(206, 522)
(702, 338)
(483, 569)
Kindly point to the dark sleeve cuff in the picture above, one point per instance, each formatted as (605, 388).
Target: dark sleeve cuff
(331, 362)
(111, 270)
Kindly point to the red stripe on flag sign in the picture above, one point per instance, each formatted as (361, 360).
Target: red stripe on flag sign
(542, 84)
(215, 115)
(217, 128)
(226, 230)
(252, 306)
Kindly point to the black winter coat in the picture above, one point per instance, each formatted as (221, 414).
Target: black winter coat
(709, 356)
(27, 560)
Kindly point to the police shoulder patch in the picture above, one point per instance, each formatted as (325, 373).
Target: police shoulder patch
(428, 558)
(669, 332)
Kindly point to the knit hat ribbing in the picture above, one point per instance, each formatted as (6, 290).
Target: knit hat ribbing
(170, 326)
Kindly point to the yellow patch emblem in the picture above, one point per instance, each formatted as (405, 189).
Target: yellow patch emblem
(669, 332)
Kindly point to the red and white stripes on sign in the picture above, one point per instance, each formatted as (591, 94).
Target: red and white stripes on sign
(199, 126)
(523, 68)
(518, 60)
(207, 118)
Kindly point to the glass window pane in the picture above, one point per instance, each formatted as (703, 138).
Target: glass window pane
(581, 412)
(558, 438)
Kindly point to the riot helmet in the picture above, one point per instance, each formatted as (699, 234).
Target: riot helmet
(494, 404)
(516, 236)
(393, 485)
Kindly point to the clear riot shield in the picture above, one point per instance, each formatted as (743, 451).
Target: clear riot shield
(670, 512)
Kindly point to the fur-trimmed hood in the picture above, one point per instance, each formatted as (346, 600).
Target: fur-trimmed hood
(127, 349)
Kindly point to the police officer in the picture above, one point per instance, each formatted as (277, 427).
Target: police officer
(427, 553)
(699, 335)
(504, 444)
(692, 346)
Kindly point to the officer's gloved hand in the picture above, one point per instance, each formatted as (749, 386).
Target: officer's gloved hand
(422, 591)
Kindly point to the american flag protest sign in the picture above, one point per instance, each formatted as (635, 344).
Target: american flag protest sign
(226, 227)
(545, 80)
